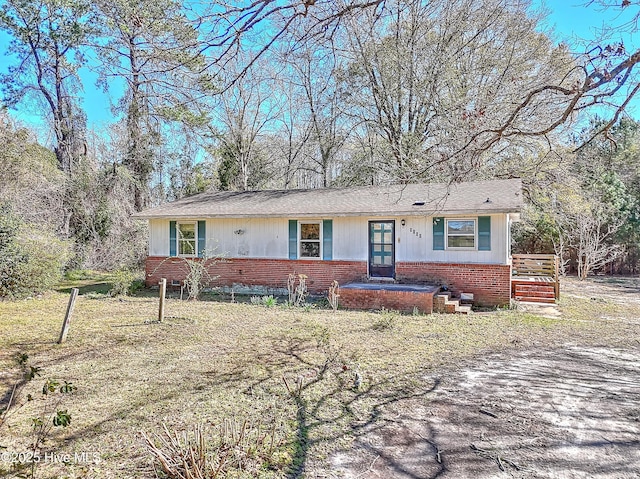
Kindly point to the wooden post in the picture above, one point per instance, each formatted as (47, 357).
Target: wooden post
(557, 277)
(67, 317)
(163, 290)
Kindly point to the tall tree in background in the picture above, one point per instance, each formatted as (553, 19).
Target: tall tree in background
(231, 27)
(148, 46)
(609, 168)
(185, 168)
(290, 139)
(47, 40)
(315, 70)
(246, 111)
(588, 213)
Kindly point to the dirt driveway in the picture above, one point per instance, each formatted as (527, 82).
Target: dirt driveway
(570, 412)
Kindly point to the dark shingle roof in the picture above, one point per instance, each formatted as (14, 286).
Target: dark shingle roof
(495, 196)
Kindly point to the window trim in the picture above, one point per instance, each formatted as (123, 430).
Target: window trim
(320, 240)
(179, 239)
(461, 248)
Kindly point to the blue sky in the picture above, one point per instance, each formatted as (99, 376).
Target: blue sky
(580, 26)
(573, 20)
(570, 19)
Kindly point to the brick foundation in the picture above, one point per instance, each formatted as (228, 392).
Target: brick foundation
(489, 283)
(271, 273)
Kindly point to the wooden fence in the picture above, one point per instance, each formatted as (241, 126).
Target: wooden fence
(536, 267)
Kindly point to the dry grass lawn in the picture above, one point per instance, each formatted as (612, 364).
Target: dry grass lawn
(290, 370)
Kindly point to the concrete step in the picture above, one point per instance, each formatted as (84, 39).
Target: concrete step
(443, 303)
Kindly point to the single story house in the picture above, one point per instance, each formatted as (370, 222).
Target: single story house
(456, 235)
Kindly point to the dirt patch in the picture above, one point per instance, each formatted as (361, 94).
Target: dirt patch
(546, 414)
(540, 309)
(618, 289)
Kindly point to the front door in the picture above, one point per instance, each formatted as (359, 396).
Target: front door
(381, 249)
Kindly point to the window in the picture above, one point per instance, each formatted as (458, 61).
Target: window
(186, 239)
(310, 239)
(461, 234)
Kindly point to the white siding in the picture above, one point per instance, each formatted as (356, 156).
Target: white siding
(269, 238)
(158, 237)
(350, 242)
(248, 237)
(414, 241)
(411, 239)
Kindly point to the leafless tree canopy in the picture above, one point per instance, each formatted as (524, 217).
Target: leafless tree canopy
(310, 93)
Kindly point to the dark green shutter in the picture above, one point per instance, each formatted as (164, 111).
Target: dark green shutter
(327, 239)
(202, 238)
(293, 239)
(438, 233)
(484, 233)
(172, 238)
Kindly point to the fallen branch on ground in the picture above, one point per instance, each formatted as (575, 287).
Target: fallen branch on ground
(488, 413)
(495, 457)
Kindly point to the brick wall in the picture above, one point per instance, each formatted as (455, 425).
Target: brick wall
(490, 283)
(353, 298)
(271, 273)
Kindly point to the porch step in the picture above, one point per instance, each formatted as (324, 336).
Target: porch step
(536, 293)
(443, 303)
(533, 299)
(535, 287)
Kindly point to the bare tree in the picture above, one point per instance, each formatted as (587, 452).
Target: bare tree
(605, 77)
(290, 141)
(315, 69)
(431, 78)
(567, 82)
(259, 25)
(31, 181)
(246, 112)
(588, 229)
(594, 245)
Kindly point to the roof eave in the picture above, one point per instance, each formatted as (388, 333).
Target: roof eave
(424, 212)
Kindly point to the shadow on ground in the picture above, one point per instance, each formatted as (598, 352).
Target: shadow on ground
(564, 413)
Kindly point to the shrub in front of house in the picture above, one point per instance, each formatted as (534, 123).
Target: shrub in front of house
(124, 282)
(31, 258)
